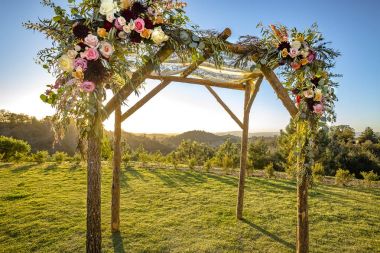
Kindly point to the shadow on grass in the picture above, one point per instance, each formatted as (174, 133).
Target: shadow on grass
(224, 179)
(134, 173)
(5, 165)
(51, 168)
(279, 185)
(117, 242)
(269, 234)
(22, 168)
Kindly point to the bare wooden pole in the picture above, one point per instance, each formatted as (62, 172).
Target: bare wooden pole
(94, 231)
(144, 100)
(137, 79)
(115, 203)
(228, 110)
(244, 154)
(255, 87)
(180, 79)
(303, 216)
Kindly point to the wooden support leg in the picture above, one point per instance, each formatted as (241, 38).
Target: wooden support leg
(94, 231)
(115, 204)
(302, 218)
(244, 154)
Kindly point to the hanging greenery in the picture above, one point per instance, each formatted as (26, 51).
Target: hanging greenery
(97, 44)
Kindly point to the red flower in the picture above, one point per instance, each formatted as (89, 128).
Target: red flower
(107, 25)
(80, 31)
(148, 23)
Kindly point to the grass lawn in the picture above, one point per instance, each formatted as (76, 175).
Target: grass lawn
(43, 209)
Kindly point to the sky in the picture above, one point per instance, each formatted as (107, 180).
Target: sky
(353, 27)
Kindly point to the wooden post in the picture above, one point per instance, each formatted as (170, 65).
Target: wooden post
(94, 231)
(115, 204)
(302, 217)
(244, 153)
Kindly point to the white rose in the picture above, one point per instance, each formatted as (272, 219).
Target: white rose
(66, 63)
(107, 7)
(106, 49)
(110, 17)
(295, 44)
(308, 93)
(72, 54)
(158, 36)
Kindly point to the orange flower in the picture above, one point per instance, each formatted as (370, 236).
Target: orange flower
(78, 74)
(300, 37)
(158, 20)
(284, 53)
(295, 65)
(304, 61)
(102, 32)
(125, 4)
(146, 33)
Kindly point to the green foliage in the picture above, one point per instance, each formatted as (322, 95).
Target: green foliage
(126, 158)
(9, 147)
(192, 150)
(318, 172)
(142, 156)
(207, 166)
(228, 155)
(343, 177)
(368, 135)
(59, 157)
(191, 163)
(369, 177)
(106, 149)
(77, 158)
(41, 156)
(258, 154)
(269, 170)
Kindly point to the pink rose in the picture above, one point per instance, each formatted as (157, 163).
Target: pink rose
(80, 62)
(120, 22)
(91, 40)
(311, 56)
(106, 49)
(139, 25)
(318, 109)
(87, 86)
(90, 54)
(293, 52)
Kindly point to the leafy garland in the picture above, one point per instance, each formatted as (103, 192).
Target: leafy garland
(306, 62)
(100, 42)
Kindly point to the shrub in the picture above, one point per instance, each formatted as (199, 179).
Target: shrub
(269, 170)
(207, 165)
(343, 177)
(60, 157)
(126, 158)
(41, 156)
(191, 163)
(369, 177)
(19, 157)
(9, 147)
(1, 156)
(77, 158)
(318, 172)
(291, 171)
(227, 164)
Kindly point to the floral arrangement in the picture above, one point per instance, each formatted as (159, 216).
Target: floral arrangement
(93, 42)
(306, 62)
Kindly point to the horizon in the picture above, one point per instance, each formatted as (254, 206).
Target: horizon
(180, 108)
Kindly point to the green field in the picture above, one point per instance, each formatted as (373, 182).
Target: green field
(43, 209)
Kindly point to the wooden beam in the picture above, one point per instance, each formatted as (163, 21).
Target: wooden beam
(255, 87)
(281, 92)
(180, 79)
(224, 35)
(140, 75)
(244, 154)
(228, 110)
(137, 79)
(144, 100)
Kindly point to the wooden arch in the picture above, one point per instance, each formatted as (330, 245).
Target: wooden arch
(250, 88)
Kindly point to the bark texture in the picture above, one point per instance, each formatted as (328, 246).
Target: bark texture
(115, 204)
(94, 231)
(302, 217)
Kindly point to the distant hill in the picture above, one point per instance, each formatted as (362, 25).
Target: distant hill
(257, 134)
(200, 136)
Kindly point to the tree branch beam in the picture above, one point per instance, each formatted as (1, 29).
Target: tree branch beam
(226, 108)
